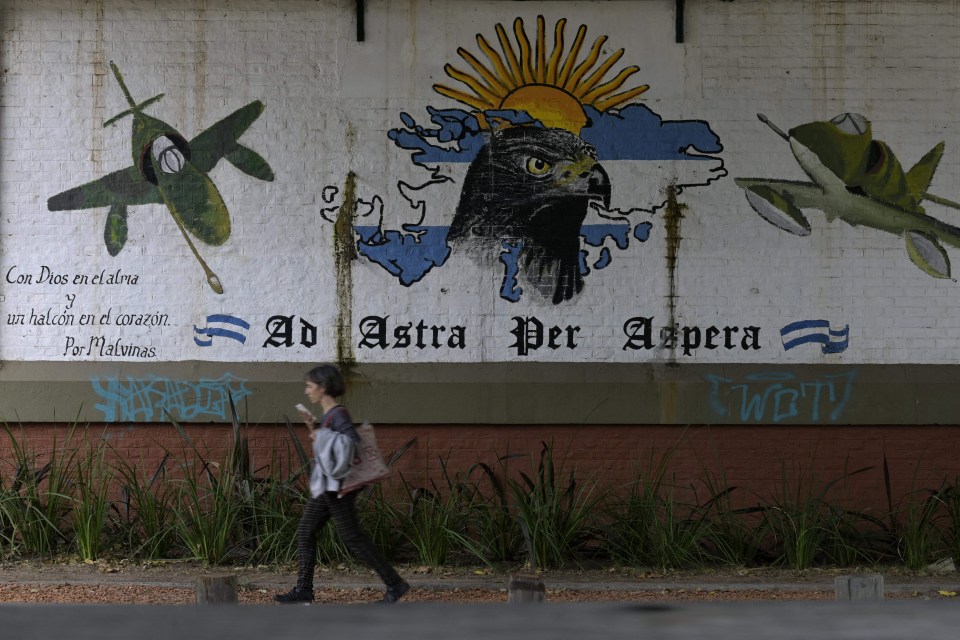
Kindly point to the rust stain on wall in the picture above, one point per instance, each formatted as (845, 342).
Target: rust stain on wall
(99, 76)
(829, 37)
(668, 402)
(200, 62)
(672, 221)
(344, 252)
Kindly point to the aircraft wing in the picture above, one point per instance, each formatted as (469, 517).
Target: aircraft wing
(779, 202)
(803, 195)
(196, 205)
(220, 141)
(124, 187)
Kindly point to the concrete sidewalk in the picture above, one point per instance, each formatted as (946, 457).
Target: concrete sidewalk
(184, 575)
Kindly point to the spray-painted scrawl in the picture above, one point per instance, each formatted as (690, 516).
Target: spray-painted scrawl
(859, 180)
(544, 176)
(170, 171)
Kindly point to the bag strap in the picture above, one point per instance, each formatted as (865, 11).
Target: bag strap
(329, 416)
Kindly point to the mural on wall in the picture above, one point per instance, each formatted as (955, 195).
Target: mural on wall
(549, 168)
(170, 171)
(820, 332)
(859, 180)
(221, 325)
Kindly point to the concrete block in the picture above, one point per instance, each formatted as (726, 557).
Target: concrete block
(217, 589)
(526, 588)
(859, 588)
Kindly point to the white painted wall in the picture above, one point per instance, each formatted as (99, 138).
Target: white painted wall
(329, 103)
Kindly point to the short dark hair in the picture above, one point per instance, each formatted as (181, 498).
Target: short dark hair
(328, 377)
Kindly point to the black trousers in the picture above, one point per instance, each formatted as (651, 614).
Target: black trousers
(344, 513)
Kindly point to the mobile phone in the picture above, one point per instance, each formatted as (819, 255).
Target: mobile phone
(305, 412)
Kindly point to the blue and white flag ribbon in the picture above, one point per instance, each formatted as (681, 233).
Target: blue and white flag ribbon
(215, 327)
(815, 331)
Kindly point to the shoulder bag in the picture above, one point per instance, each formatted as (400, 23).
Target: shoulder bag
(368, 465)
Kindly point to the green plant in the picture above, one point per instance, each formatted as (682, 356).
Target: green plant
(799, 531)
(851, 537)
(914, 530)
(93, 480)
(920, 537)
(210, 505)
(436, 519)
(236, 509)
(799, 519)
(731, 533)
(208, 514)
(274, 505)
(37, 503)
(380, 519)
(493, 533)
(8, 502)
(650, 526)
(330, 548)
(430, 517)
(146, 510)
(554, 512)
(950, 496)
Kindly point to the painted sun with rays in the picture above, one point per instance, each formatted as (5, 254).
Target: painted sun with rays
(551, 88)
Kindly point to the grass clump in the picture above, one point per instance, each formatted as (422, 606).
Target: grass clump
(649, 525)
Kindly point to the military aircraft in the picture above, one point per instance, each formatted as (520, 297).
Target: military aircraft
(859, 180)
(169, 170)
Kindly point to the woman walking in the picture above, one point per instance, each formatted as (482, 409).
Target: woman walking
(324, 385)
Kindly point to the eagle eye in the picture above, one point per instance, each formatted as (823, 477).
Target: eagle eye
(538, 166)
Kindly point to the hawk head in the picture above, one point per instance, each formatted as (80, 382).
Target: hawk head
(533, 186)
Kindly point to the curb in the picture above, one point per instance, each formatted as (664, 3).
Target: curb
(276, 583)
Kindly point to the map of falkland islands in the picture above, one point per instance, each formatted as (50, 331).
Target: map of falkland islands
(552, 172)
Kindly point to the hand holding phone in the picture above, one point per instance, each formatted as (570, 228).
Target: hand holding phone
(307, 415)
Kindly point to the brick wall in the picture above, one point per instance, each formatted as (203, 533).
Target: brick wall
(759, 461)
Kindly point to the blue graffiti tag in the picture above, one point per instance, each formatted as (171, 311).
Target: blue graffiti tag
(777, 396)
(155, 398)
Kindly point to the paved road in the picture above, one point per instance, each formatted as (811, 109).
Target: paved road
(783, 621)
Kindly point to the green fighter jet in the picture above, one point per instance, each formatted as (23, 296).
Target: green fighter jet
(859, 180)
(169, 170)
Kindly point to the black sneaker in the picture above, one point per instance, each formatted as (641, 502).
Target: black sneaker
(395, 592)
(294, 596)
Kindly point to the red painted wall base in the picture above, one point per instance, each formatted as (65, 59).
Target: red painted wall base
(760, 461)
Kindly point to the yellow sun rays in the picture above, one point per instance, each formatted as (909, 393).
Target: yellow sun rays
(550, 87)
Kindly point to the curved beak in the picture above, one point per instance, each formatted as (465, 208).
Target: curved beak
(599, 186)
